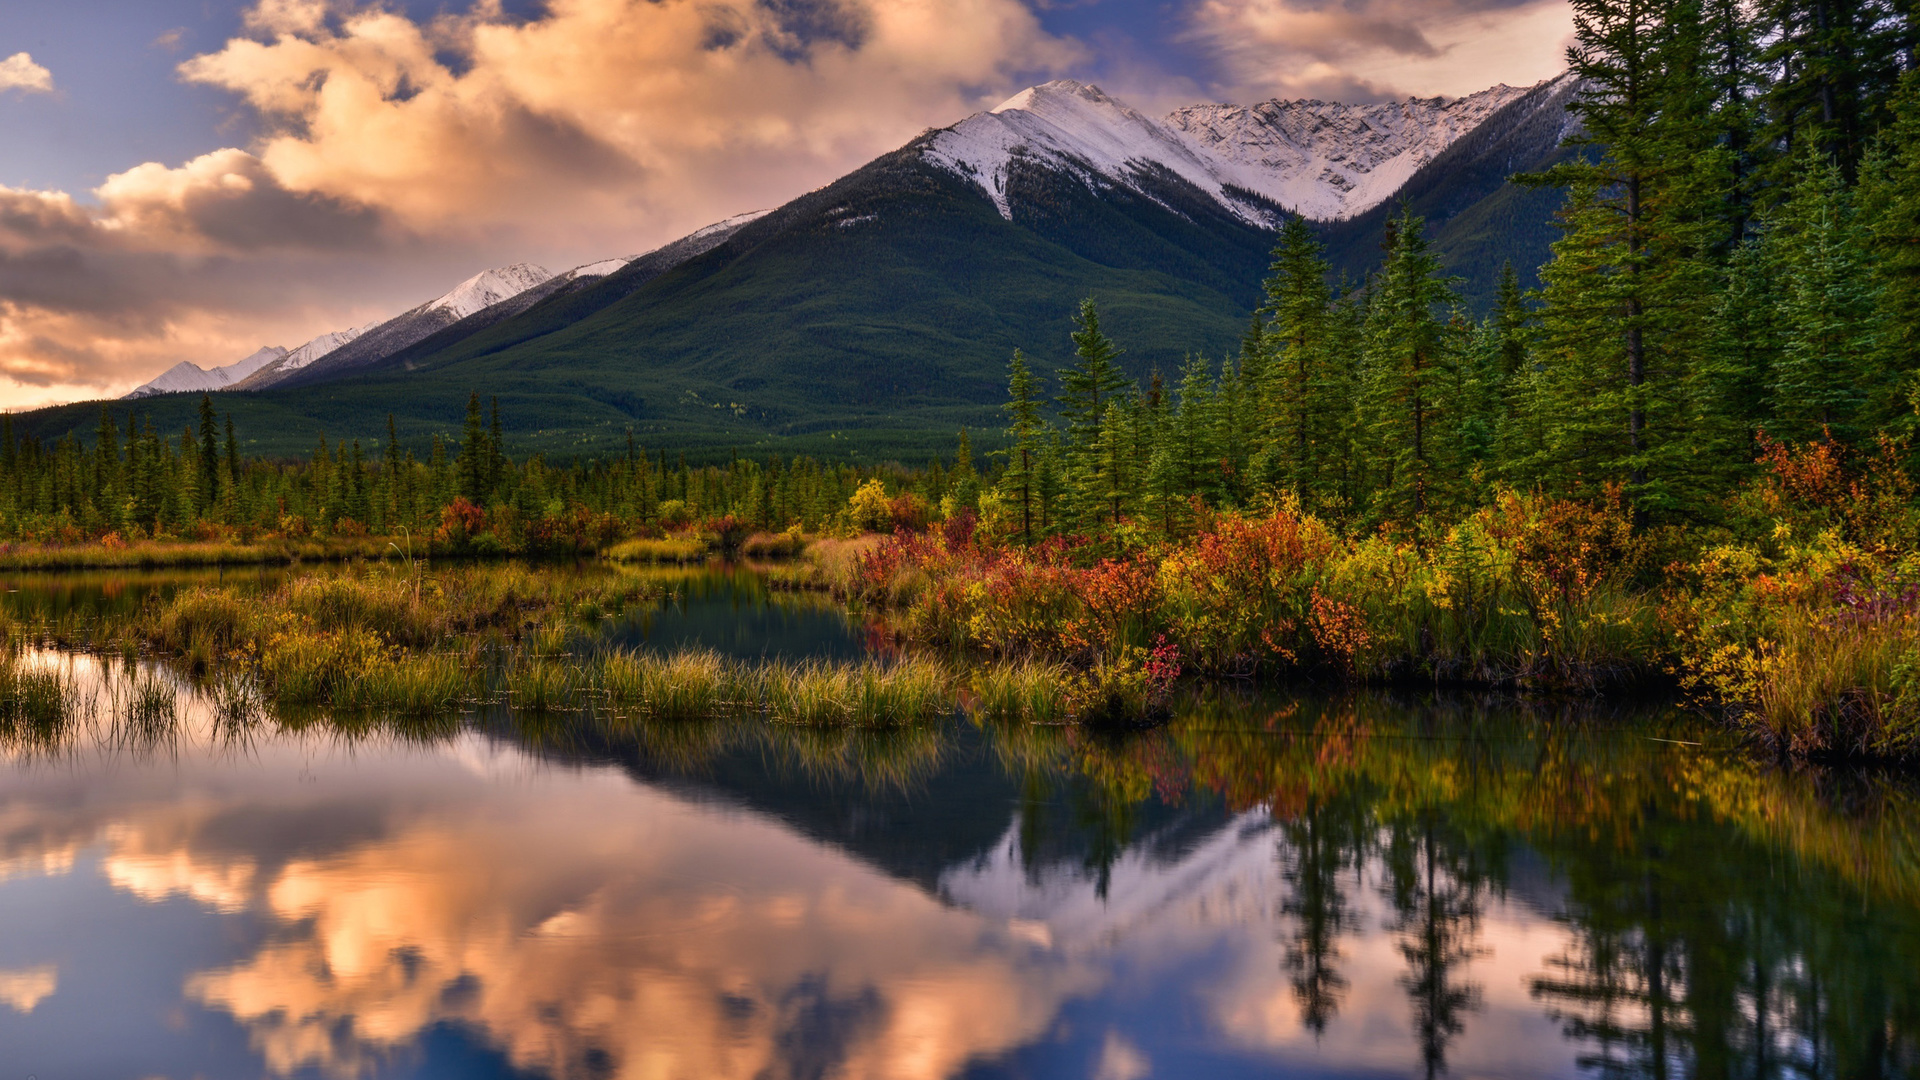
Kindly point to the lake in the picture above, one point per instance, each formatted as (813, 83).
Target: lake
(1272, 882)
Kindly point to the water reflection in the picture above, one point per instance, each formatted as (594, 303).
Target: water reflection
(1361, 886)
(732, 610)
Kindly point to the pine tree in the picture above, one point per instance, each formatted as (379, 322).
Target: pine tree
(964, 483)
(1410, 377)
(1826, 309)
(496, 452)
(233, 454)
(1834, 65)
(1114, 457)
(1296, 403)
(1890, 209)
(1627, 289)
(1192, 432)
(1024, 427)
(209, 461)
(1087, 387)
(475, 456)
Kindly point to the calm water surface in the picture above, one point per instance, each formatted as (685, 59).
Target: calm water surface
(1368, 886)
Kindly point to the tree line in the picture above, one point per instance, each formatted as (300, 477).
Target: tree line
(1738, 264)
(134, 482)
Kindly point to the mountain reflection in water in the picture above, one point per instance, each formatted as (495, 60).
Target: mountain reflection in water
(1364, 886)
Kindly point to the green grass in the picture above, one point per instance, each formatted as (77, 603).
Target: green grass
(34, 701)
(149, 708)
(545, 684)
(1024, 691)
(684, 548)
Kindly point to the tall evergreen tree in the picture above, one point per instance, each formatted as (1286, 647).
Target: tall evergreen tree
(1628, 285)
(1296, 400)
(1024, 427)
(475, 456)
(1826, 308)
(1087, 387)
(1411, 376)
(1890, 210)
(209, 462)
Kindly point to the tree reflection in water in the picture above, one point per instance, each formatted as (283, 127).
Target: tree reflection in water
(1724, 919)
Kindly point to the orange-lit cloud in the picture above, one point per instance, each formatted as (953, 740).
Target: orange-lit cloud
(429, 149)
(193, 262)
(1355, 50)
(657, 117)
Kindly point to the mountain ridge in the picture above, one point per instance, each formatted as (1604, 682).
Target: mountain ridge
(873, 316)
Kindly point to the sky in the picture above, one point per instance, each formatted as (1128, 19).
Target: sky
(193, 179)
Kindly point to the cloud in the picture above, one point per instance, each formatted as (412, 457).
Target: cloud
(1358, 50)
(193, 262)
(403, 155)
(656, 117)
(19, 72)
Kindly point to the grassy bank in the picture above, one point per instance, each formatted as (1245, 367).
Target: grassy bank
(162, 554)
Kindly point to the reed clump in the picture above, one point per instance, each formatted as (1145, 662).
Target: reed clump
(699, 684)
(1025, 691)
(418, 684)
(313, 615)
(34, 700)
(545, 684)
(677, 549)
(149, 709)
(781, 545)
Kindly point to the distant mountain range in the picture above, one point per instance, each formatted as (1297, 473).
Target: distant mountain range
(874, 316)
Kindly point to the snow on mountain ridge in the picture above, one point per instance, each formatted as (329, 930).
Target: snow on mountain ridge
(486, 288)
(321, 346)
(1323, 160)
(1072, 125)
(186, 376)
(1327, 160)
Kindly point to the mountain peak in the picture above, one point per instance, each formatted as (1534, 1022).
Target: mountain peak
(488, 287)
(1058, 88)
(187, 376)
(1067, 124)
(1325, 160)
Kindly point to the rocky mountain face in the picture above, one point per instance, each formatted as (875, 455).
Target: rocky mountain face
(1322, 160)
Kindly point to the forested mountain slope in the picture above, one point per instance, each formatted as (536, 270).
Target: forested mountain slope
(873, 317)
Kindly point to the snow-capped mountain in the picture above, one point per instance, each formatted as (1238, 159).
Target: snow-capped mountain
(321, 346)
(633, 271)
(357, 348)
(896, 284)
(186, 377)
(1320, 159)
(1326, 160)
(486, 289)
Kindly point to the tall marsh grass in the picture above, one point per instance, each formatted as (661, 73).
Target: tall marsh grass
(677, 549)
(1026, 691)
(34, 699)
(699, 684)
